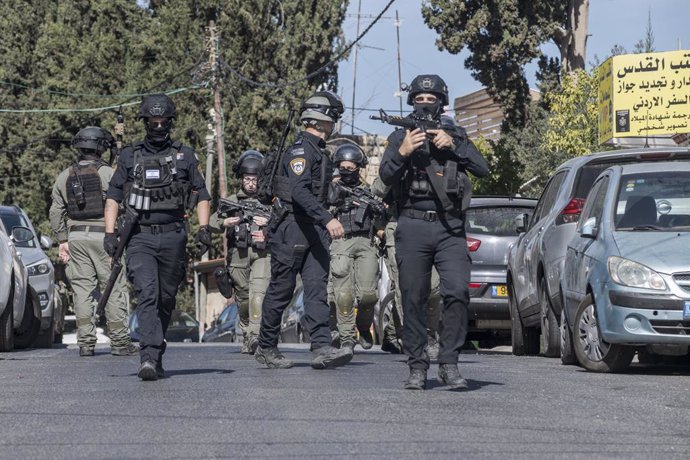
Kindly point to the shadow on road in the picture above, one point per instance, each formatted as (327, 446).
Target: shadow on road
(472, 385)
(176, 372)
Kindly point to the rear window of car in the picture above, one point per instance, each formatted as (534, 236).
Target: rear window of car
(586, 177)
(499, 220)
(17, 220)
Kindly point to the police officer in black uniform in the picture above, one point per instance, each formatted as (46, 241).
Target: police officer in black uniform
(300, 243)
(428, 174)
(159, 179)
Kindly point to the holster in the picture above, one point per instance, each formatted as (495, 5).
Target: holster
(224, 282)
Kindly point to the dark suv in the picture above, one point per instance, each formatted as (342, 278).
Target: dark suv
(490, 227)
(536, 260)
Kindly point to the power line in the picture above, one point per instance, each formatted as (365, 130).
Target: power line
(67, 93)
(96, 109)
(314, 73)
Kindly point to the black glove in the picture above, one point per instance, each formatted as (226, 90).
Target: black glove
(110, 243)
(203, 240)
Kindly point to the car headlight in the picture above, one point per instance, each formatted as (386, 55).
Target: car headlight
(38, 269)
(628, 273)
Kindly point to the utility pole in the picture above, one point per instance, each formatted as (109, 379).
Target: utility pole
(397, 33)
(215, 81)
(354, 71)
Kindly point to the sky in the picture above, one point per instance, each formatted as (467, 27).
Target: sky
(611, 22)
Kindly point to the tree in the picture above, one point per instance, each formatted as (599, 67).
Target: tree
(504, 35)
(646, 44)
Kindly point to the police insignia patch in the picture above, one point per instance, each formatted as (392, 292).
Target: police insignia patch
(297, 166)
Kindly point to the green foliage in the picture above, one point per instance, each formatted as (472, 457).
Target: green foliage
(504, 169)
(572, 127)
(502, 36)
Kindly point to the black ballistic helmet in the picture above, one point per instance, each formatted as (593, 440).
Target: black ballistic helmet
(93, 138)
(350, 152)
(428, 84)
(250, 162)
(322, 105)
(157, 105)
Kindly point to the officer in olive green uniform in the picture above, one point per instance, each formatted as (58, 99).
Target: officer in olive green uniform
(392, 333)
(76, 217)
(354, 259)
(249, 260)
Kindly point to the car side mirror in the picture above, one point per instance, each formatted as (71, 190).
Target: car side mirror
(521, 221)
(46, 242)
(22, 234)
(589, 228)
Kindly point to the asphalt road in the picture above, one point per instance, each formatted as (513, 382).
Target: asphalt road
(218, 403)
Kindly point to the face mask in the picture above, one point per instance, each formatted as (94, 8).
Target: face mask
(427, 111)
(349, 178)
(158, 134)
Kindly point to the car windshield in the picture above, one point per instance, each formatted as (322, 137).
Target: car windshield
(657, 201)
(17, 220)
(499, 220)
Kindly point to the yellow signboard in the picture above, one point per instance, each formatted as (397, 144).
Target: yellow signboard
(644, 95)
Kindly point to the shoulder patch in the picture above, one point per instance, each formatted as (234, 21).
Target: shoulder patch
(297, 165)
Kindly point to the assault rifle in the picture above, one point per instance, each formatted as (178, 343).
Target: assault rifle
(410, 123)
(247, 212)
(128, 225)
(365, 201)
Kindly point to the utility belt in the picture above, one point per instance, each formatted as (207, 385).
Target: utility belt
(350, 235)
(155, 229)
(87, 228)
(430, 216)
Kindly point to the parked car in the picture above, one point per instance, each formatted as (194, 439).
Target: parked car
(626, 279)
(182, 328)
(223, 328)
(490, 227)
(19, 307)
(536, 259)
(41, 274)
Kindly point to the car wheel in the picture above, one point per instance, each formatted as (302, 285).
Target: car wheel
(6, 323)
(567, 352)
(550, 337)
(31, 326)
(47, 337)
(59, 319)
(525, 340)
(386, 313)
(591, 350)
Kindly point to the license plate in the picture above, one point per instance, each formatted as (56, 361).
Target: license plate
(686, 311)
(501, 291)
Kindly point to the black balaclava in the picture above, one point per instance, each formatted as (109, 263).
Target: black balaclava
(349, 178)
(427, 111)
(158, 136)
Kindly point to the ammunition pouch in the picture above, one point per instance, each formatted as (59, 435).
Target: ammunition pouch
(85, 198)
(224, 282)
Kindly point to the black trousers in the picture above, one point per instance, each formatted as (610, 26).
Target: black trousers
(155, 267)
(297, 247)
(419, 245)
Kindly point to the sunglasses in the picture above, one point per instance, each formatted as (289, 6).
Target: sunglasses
(159, 124)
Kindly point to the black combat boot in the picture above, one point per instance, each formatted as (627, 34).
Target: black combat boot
(87, 351)
(252, 344)
(366, 341)
(416, 380)
(272, 358)
(448, 374)
(329, 357)
(147, 371)
(432, 347)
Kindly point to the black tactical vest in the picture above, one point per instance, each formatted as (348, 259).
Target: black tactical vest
(85, 197)
(351, 218)
(456, 184)
(319, 185)
(156, 186)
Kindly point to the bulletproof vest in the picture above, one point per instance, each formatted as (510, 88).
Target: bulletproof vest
(455, 182)
(350, 217)
(85, 198)
(243, 234)
(156, 186)
(319, 185)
